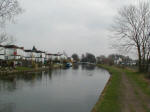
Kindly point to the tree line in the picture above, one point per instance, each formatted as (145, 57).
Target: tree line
(131, 30)
(112, 59)
(88, 57)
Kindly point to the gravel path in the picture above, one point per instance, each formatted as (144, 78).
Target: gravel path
(133, 100)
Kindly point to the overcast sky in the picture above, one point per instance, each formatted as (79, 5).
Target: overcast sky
(75, 26)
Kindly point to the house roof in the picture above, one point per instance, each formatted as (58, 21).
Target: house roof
(39, 51)
(34, 51)
(28, 50)
(54, 54)
(49, 54)
(1, 46)
(13, 46)
(34, 48)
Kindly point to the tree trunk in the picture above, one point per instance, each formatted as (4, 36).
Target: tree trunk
(147, 65)
(140, 68)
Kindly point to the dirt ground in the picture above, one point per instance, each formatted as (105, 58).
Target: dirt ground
(133, 99)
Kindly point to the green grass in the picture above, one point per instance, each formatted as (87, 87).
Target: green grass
(109, 102)
(23, 68)
(139, 79)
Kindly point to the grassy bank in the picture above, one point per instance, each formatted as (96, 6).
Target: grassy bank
(23, 68)
(141, 80)
(109, 100)
(124, 86)
(27, 69)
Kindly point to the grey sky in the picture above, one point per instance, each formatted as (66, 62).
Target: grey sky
(76, 26)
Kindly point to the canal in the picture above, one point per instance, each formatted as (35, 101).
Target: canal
(75, 89)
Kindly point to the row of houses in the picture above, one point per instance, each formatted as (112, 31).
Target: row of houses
(116, 59)
(13, 52)
(124, 61)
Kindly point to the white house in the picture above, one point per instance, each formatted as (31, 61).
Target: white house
(118, 61)
(13, 52)
(2, 52)
(48, 56)
(31, 55)
(35, 55)
(28, 54)
(62, 57)
(55, 57)
(40, 56)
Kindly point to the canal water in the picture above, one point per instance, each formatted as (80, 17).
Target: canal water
(75, 89)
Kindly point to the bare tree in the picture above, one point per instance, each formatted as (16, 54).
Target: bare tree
(8, 10)
(132, 30)
(5, 39)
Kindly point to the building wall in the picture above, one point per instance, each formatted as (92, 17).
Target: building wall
(9, 53)
(2, 53)
(28, 55)
(38, 57)
(2, 57)
(48, 57)
(21, 53)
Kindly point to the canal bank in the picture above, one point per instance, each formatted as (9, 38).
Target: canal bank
(126, 91)
(24, 70)
(109, 99)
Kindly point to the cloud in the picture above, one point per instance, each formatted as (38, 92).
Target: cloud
(71, 25)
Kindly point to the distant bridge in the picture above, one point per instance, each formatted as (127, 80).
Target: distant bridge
(89, 63)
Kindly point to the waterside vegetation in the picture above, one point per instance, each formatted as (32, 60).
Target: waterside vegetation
(127, 90)
(109, 99)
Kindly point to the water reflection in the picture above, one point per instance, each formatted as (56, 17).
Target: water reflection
(75, 66)
(10, 107)
(7, 86)
(12, 82)
(88, 67)
(72, 90)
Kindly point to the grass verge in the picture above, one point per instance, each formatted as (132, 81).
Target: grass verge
(109, 99)
(23, 68)
(139, 79)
